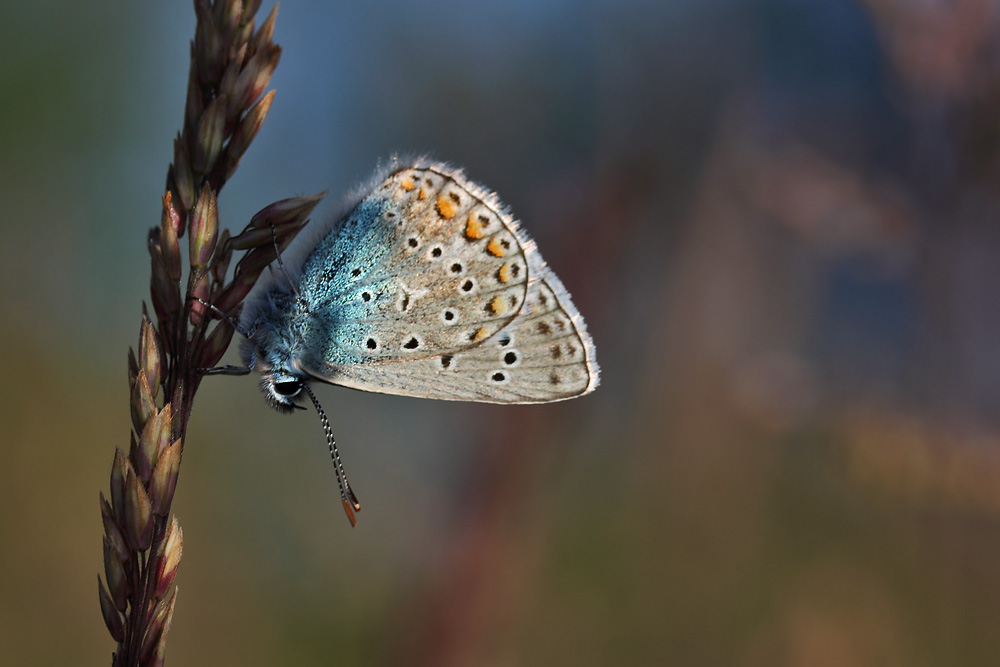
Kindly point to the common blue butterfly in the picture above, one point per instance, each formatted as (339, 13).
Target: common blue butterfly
(426, 287)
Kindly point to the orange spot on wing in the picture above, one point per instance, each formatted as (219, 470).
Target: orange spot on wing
(445, 207)
(497, 306)
(421, 194)
(480, 334)
(474, 228)
(503, 275)
(408, 184)
(496, 248)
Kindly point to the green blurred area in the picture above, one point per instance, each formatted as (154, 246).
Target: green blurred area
(780, 221)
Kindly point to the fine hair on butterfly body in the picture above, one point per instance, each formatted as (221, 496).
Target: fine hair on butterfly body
(425, 286)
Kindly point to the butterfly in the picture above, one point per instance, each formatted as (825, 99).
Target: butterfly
(425, 287)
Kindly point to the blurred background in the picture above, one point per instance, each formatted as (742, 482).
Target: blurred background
(780, 220)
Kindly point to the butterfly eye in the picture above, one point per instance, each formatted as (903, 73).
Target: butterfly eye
(287, 389)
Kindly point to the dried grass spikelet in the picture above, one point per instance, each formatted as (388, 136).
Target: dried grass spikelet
(232, 62)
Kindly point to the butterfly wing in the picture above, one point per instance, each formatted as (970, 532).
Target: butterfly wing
(430, 289)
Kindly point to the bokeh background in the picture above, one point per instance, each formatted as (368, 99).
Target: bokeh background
(781, 220)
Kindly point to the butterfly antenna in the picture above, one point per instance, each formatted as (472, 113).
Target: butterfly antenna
(281, 264)
(351, 504)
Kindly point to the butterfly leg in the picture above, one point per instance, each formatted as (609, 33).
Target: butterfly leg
(246, 333)
(225, 370)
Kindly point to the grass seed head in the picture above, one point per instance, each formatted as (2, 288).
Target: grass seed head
(119, 472)
(143, 404)
(112, 618)
(171, 226)
(164, 479)
(168, 559)
(138, 514)
(114, 572)
(149, 354)
(204, 228)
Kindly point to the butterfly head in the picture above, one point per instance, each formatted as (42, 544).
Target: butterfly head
(281, 388)
(270, 348)
(281, 379)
